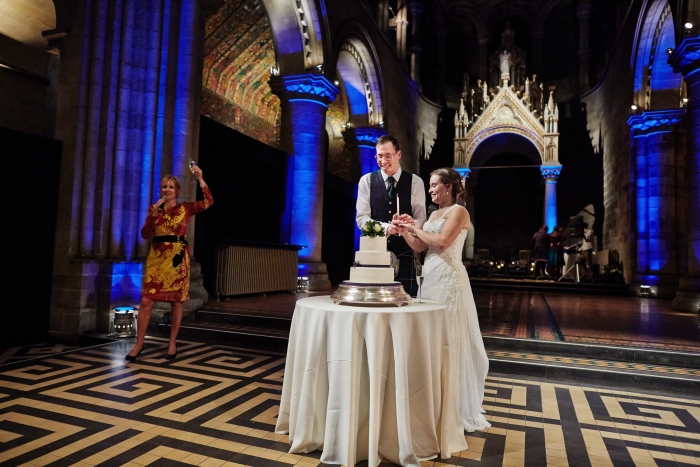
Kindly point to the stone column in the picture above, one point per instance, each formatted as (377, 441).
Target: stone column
(686, 59)
(550, 174)
(126, 113)
(305, 99)
(655, 185)
(484, 57)
(583, 12)
(367, 147)
(401, 31)
(536, 37)
(416, 12)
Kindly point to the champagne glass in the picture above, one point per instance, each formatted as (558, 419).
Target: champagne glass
(419, 280)
(192, 164)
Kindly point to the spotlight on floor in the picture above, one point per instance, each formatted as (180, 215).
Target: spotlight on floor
(644, 291)
(123, 322)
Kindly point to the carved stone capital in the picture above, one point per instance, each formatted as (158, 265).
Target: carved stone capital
(305, 86)
(416, 9)
(550, 172)
(368, 137)
(464, 172)
(686, 57)
(54, 37)
(656, 118)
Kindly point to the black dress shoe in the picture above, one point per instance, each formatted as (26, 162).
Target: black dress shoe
(132, 358)
(170, 356)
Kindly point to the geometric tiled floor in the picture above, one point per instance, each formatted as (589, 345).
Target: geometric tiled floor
(217, 405)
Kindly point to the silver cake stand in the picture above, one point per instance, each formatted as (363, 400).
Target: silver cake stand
(355, 293)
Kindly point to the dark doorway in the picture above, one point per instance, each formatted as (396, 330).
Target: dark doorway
(31, 167)
(508, 205)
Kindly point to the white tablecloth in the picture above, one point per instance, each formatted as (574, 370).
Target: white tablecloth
(366, 383)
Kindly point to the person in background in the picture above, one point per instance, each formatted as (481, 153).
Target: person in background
(587, 246)
(541, 250)
(556, 254)
(167, 276)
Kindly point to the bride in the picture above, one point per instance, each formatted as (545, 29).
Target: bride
(446, 281)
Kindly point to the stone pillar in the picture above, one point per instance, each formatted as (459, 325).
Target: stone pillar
(401, 31)
(686, 59)
(583, 13)
(126, 112)
(416, 12)
(367, 147)
(655, 182)
(536, 37)
(484, 57)
(305, 99)
(550, 174)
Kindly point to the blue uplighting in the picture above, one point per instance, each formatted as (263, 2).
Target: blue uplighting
(126, 282)
(463, 171)
(309, 100)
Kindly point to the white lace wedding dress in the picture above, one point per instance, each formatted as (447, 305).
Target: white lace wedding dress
(446, 280)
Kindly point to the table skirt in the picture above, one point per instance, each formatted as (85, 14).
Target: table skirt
(370, 384)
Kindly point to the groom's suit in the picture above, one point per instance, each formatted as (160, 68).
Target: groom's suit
(382, 207)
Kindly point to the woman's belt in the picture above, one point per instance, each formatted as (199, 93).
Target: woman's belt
(170, 239)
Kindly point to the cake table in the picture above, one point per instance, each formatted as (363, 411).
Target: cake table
(370, 383)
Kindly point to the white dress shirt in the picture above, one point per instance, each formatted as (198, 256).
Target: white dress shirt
(364, 209)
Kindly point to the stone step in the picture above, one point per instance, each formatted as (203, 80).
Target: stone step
(594, 351)
(596, 372)
(530, 284)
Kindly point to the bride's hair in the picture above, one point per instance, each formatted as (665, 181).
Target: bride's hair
(450, 177)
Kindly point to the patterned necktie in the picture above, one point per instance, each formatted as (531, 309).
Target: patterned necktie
(390, 190)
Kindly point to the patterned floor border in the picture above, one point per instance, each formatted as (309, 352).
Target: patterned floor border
(217, 405)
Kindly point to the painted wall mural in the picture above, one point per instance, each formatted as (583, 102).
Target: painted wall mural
(238, 54)
(340, 156)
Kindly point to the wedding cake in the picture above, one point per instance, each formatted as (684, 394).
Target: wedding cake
(372, 263)
(372, 274)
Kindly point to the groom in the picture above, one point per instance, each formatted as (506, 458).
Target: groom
(376, 200)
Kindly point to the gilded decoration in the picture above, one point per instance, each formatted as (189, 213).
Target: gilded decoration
(505, 114)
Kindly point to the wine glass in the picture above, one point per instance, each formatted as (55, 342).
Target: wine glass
(419, 280)
(192, 164)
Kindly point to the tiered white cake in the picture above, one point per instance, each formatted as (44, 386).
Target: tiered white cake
(372, 262)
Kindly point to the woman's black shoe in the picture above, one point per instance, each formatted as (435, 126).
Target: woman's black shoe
(169, 356)
(132, 358)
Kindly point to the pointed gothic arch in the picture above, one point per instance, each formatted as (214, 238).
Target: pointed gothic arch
(510, 113)
(655, 84)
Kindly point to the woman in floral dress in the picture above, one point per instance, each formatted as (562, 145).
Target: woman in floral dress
(167, 275)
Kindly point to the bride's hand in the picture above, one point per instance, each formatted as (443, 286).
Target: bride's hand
(406, 219)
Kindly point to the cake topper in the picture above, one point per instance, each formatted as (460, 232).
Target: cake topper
(372, 229)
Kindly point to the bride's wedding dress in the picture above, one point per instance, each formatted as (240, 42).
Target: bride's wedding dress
(446, 280)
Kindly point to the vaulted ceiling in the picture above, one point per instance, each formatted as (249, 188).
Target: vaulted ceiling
(24, 20)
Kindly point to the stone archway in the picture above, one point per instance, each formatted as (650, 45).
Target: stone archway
(509, 112)
(361, 84)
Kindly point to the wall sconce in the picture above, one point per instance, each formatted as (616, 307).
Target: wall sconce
(274, 71)
(319, 69)
(336, 82)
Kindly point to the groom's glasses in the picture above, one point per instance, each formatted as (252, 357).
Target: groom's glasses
(386, 157)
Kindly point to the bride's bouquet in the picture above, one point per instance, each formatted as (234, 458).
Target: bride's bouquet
(372, 229)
